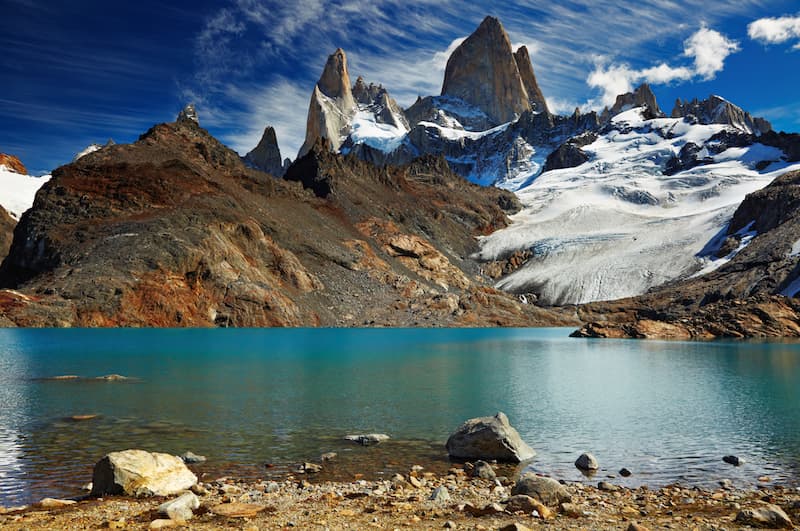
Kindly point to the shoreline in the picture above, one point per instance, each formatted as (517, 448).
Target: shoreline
(404, 501)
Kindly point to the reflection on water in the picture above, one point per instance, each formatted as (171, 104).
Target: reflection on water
(666, 410)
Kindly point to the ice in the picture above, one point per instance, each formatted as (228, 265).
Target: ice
(366, 130)
(18, 191)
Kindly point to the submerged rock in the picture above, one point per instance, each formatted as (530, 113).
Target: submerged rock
(141, 473)
(733, 460)
(586, 462)
(489, 438)
(191, 458)
(368, 439)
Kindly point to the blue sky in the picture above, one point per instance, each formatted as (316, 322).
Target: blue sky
(84, 71)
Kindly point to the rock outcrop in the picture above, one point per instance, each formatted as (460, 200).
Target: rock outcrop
(140, 473)
(525, 67)
(332, 105)
(266, 156)
(377, 100)
(489, 438)
(13, 164)
(717, 110)
(483, 72)
(641, 97)
(189, 114)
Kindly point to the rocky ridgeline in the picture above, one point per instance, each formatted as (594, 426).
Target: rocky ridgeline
(159, 491)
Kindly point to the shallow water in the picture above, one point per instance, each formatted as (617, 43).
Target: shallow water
(668, 411)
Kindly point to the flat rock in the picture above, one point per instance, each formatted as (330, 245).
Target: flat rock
(489, 438)
(141, 473)
(237, 510)
(162, 523)
(52, 503)
(608, 487)
(440, 495)
(526, 504)
(768, 516)
(483, 470)
(546, 490)
(368, 439)
(181, 508)
(586, 462)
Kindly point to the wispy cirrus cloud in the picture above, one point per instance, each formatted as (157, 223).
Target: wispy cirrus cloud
(776, 30)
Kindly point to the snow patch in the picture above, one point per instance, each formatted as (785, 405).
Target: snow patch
(18, 191)
(367, 130)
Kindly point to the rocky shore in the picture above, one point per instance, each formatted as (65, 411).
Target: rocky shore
(422, 500)
(136, 489)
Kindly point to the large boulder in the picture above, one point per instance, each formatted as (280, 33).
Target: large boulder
(489, 438)
(141, 473)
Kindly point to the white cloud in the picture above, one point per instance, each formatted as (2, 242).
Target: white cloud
(775, 30)
(707, 47)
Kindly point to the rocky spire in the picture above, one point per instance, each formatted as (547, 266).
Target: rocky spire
(641, 97)
(188, 114)
(266, 156)
(332, 105)
(483, 72)
(12, 164)
(525, 67)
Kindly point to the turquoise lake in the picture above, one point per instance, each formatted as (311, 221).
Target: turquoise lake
(668, 411)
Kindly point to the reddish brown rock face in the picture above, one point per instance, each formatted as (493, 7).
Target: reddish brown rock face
(482, 71)
(13, 163)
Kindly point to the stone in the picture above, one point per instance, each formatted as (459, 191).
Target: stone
(526, 504)
(486, 510)
(311, 468)
(767, 516)
(162, 523)
(624, 472)
(483, 72)
(199, 489)
(440, 495)
(191, 458)
(188, 114)
(181, 508)
(141, 473)
(483, 470)
(79, 418)
(586, 462)
(572, 510)
(489, 438)
(237, 510)
(449, 525)
(52, 503)
(608, 487)
(547, 490)
(733, 460)
(415, 482)
(328, 456)
(633, 526)
(368, 439)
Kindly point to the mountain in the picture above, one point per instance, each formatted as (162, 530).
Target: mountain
(17, 188)
(91, 148)
(175, 230)
(482, 71)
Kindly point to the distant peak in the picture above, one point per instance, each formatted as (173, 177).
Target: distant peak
(642, 96)
(491, 22)
(266, 156)
(525, 67)
(188, 114)
(335, 80)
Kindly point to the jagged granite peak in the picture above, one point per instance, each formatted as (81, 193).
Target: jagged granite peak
(641, 97)
(188, 113)
(332, 105)
(266, 156)
(13, 164)
(483, 72)
(717, 110)
(376, 99)
(525, 66)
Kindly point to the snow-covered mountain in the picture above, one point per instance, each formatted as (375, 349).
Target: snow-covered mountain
(17, 188)
(615, 202)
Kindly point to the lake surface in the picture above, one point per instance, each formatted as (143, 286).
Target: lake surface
(668, 411)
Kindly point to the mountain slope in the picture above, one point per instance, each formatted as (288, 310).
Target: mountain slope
(174, 230)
